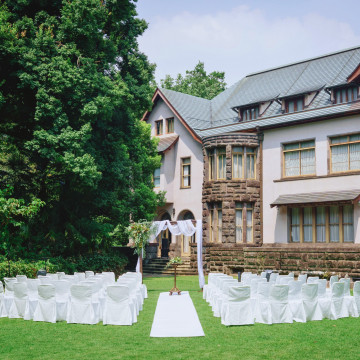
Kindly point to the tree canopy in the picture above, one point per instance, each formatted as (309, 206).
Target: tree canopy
(73, 86)
(197, 82)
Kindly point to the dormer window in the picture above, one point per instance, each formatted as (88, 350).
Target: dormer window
(250, 113)
(347, 94)
(294, 104)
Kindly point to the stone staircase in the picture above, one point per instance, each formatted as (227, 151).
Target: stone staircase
(158, 267)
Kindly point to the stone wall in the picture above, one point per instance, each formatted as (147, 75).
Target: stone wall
(316, 260)
(228, 191)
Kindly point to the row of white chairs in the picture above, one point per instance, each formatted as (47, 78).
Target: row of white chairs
(83, 298)
(255, 299)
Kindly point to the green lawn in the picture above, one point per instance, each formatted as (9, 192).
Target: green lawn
(325, 339)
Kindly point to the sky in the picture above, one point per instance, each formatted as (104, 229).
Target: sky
(242, 37)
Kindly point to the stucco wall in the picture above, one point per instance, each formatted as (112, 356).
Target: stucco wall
(170, 172)
(274, 219)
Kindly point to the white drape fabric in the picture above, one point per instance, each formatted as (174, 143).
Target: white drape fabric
(181, 227)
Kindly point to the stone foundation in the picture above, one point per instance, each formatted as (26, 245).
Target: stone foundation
(324, 260)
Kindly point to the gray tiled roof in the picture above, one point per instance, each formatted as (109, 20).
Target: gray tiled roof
(166, 142)
(216, 116)
(316, 197)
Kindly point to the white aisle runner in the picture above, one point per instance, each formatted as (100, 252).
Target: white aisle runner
(175, 316)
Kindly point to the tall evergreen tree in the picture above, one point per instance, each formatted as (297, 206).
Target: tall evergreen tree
(197, 82)
(73, 86)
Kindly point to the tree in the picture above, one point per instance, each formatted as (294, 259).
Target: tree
(73, 88)
(197, 82)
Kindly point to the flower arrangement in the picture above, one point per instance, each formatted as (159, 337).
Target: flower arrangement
(174, 261)
(139, 234)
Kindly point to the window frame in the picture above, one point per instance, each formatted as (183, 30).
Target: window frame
(250, 113)
(354, 90)
(220, 153)
(215, 226)
(155, 177)
(299, 149)
(161, 123)
(295, 100)
(244, 154)
(315, 225)
(183, 176)
(348, 143)
(167, 125)
(244, 208)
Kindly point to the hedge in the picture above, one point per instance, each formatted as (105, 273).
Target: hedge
(95, 262)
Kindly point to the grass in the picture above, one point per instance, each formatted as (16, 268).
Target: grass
(325, 339)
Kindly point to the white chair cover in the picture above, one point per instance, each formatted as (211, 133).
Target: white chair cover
(46, 306)
(53, 276)
(110, 275)
(323, 299)
(356, 291)
(338, 305)
(3, 312)
(45, 280)
(17, 309)
(9, 294)
(117, 309)
(238, 310)
(302, 278)
(32, 300)
(273, 277)
(80, 276)
(262, 305)
(279, 304)
(21, 278)
(222, 295)
(295, 301)
(333, 279)
(81, 310)
(62, 297)
(312, 279)
(89, 273)
(348, 299)
(309, 293)
(60, 274)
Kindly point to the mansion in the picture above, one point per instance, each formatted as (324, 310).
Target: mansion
(271, 166)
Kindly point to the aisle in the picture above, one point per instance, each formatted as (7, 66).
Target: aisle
(175, 316)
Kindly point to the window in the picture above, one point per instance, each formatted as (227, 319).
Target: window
(239, 154)
(221, 163)
(215, 222)
(345, 153)
(294, 104)
(185, 172)
(217, 164)
(344, 95)
(244, 222)
(169, 125)
(299, 158)
(159, 127)
(322, 224)
(157, 177)
(250, 113)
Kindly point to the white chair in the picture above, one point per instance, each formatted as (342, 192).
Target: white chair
(238, 310)
(9, 293)
(279, 304)
(45, 280)
(17, 309)
(338, 306)
(117, 309)
(273, 277)
(223, 295)
(95, 297)
(62, 297)
(356, 291)
(81, 310)
(80, 276)
(312, 279)
(323, 299)
(73, 279)
(302, 278)
(262, 305)
(285, 280)
(135, 296)
(21, 278)
(295, 301)
(46, 306)
(309, 293)
(110, 275)
(60, 274)
(348, 299)
(89, 273)
(32, 300)
(53, 276)
(3, 312)
(333, 279)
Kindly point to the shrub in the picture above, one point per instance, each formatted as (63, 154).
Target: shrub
(96, 262)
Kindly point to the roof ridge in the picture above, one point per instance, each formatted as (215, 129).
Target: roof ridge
(303, 61)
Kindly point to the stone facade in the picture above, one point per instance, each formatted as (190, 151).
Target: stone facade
(228, 192)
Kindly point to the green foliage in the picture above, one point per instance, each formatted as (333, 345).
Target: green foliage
(96, 262)
(73, 86)
(174, 261)
(197, 82)
(139, 234)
